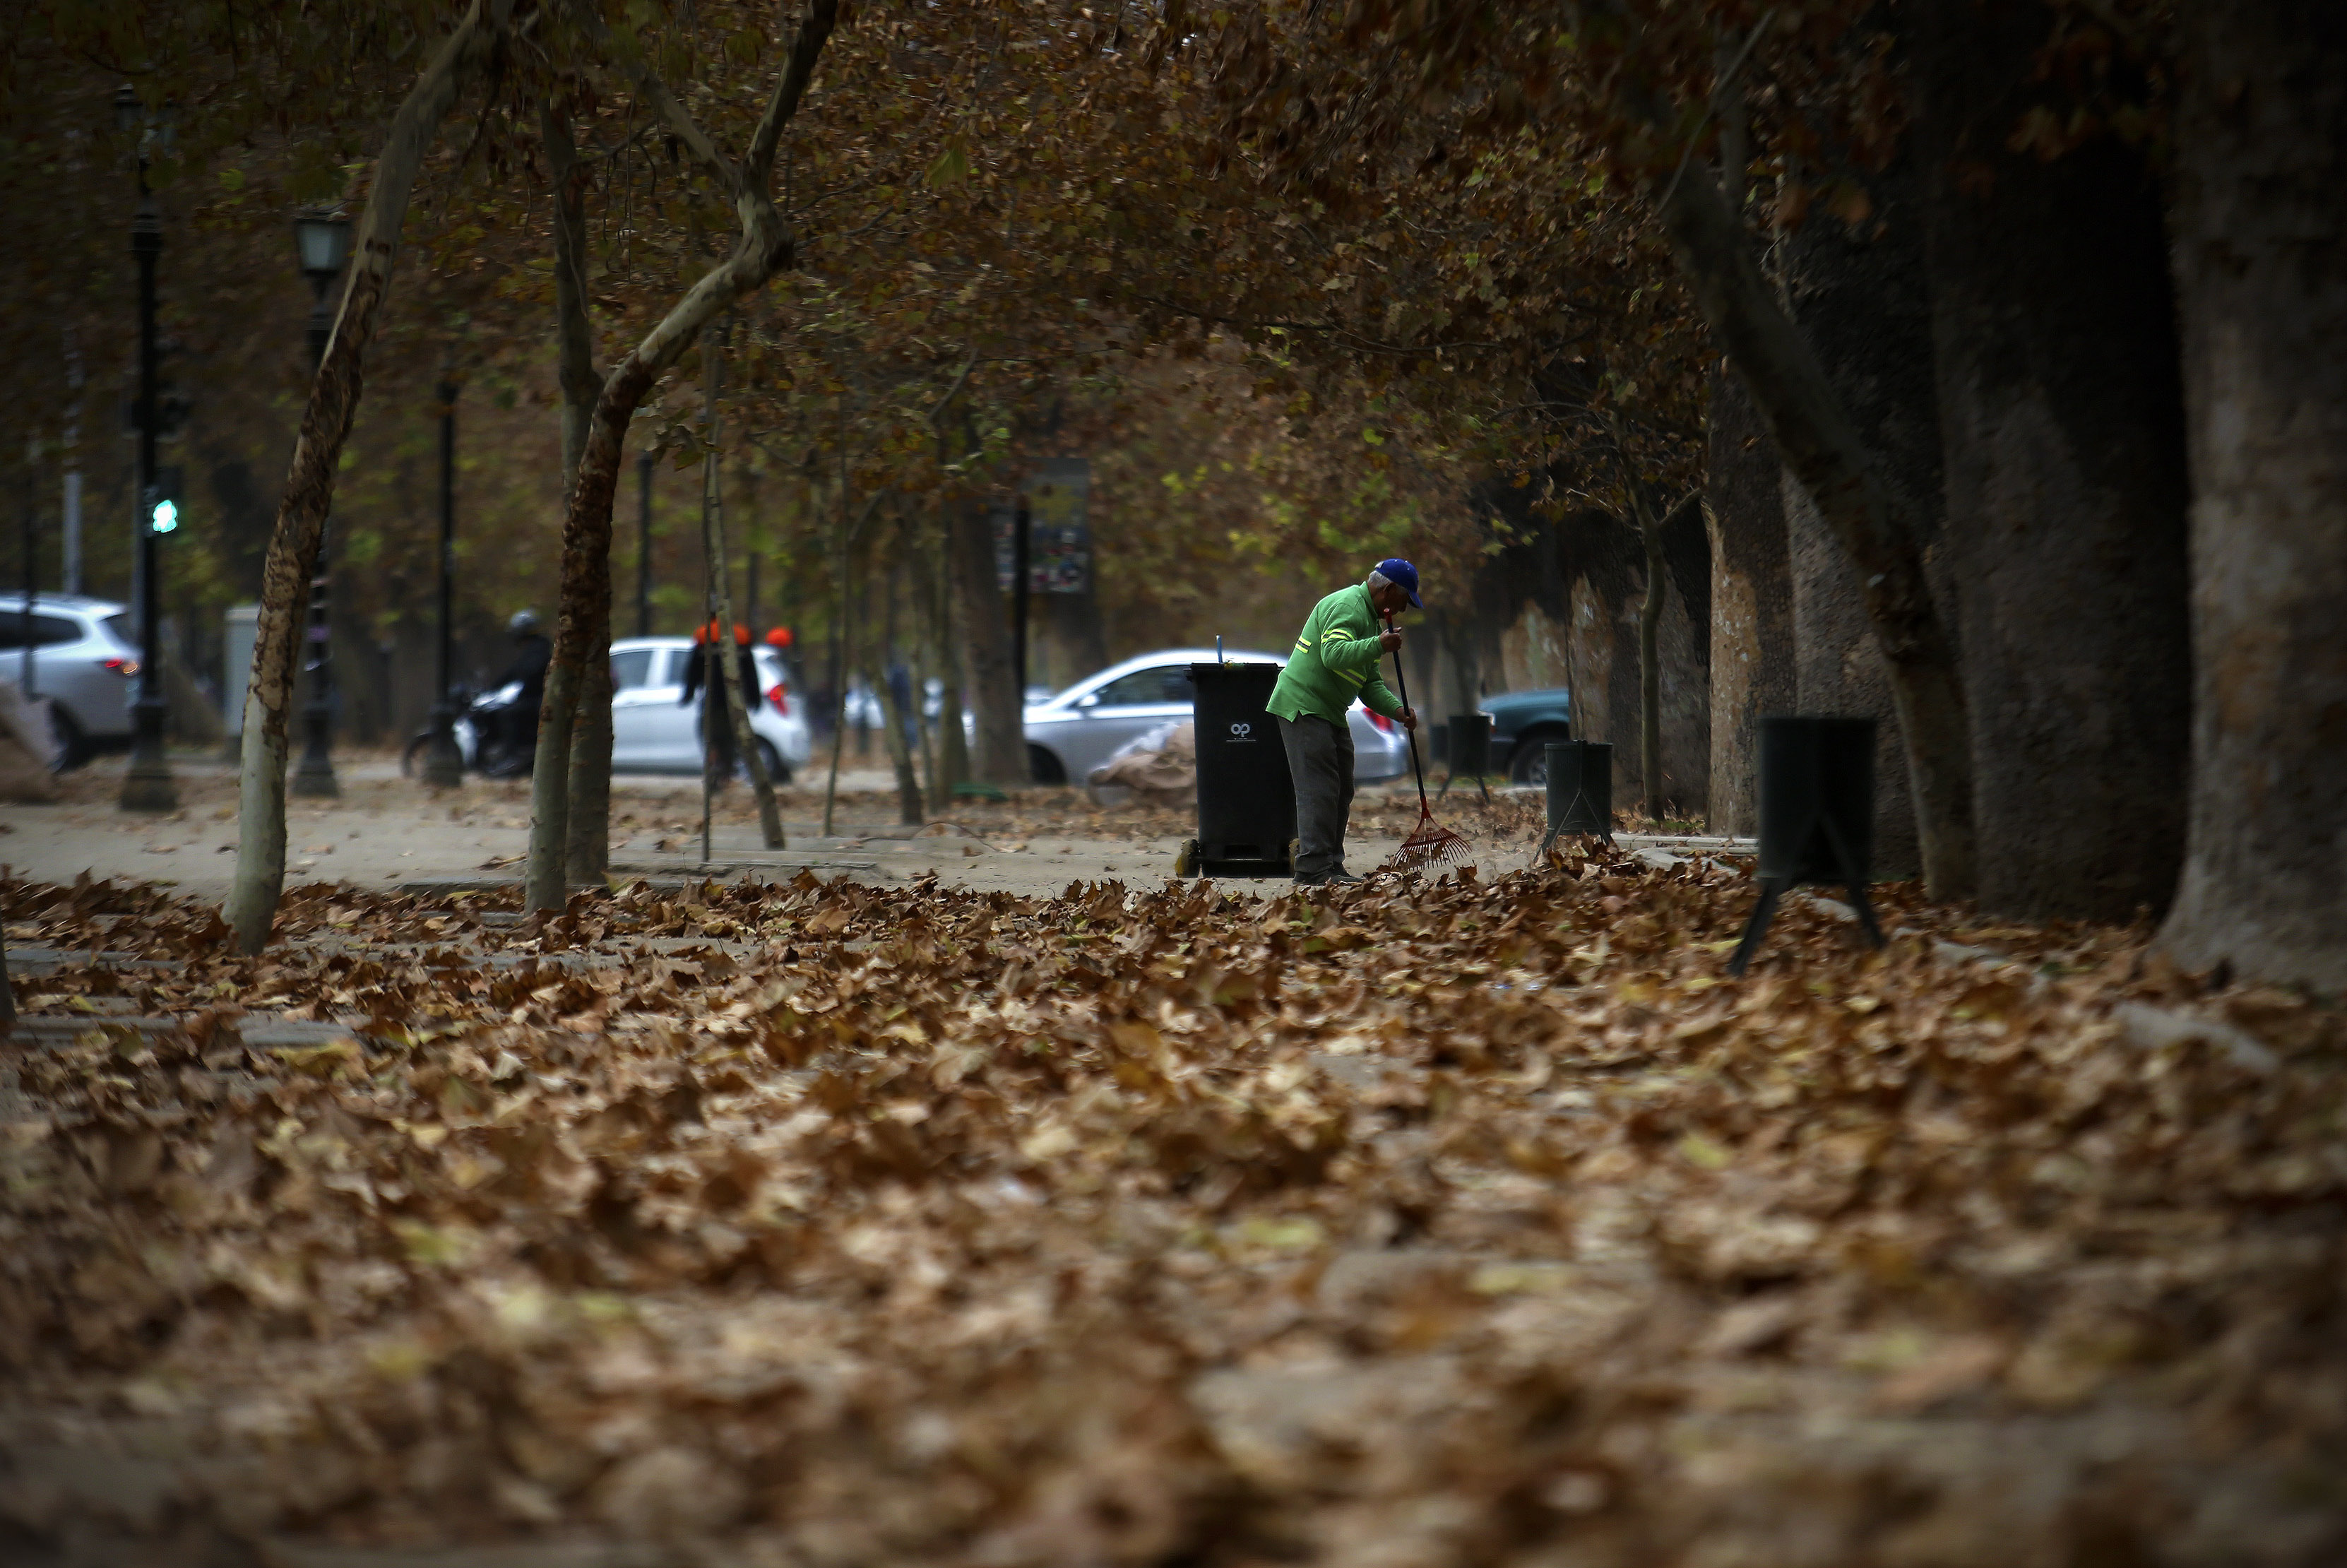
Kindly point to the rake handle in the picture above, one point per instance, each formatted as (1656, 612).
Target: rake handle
(1403, 681)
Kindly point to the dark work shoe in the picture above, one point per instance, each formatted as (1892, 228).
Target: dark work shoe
(1343, 877)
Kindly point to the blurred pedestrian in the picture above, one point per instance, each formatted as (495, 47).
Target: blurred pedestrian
(716, 723)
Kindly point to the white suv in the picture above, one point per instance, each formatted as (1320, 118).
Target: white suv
(653, 733)
(82, 661)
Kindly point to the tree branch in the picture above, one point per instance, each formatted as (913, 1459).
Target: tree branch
(663, 102)
(805, 50)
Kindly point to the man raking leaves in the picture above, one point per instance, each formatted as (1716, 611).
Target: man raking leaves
(1334, 662)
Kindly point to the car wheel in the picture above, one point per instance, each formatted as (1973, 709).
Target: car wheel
(1044, 768)
(778, 772)
(69, 747)
(1528, 764)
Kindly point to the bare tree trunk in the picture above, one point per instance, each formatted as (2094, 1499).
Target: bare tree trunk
(745, 740)
(918, 649)
(1861, 299)
(310, 486)
(765, 246)
(953, 740)
(586, 848)
(1650, 665)
(2259, 230)
(1751, 600)
(1001, 756)
(844, 639)
(1816, 437)
(877, 655)
(1751, 603)
(2061, 426)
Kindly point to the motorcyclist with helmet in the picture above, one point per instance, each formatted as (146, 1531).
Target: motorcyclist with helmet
(533, 655)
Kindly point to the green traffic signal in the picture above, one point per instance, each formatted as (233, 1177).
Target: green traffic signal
(163, 500)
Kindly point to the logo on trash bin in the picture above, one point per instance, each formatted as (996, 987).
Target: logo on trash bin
(1243, 731)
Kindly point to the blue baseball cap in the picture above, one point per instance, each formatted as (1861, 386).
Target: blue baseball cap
(1403, 576)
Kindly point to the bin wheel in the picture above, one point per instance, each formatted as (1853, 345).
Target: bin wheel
(1186, 861)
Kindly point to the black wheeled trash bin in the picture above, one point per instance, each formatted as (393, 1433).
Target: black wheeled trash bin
(1247, 802)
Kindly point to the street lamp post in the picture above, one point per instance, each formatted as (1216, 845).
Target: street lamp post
(148, 786)
(443, 763)
(324, 240)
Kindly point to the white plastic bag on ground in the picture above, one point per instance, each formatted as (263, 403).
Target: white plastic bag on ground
(1159, 767)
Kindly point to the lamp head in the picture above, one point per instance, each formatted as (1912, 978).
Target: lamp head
(324, 242)
(128, 112)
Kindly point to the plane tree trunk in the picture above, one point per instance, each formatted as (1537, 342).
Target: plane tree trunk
(1751, 601)
(587, 850)
(725, 665)
(2061, 429)
(2261, 267)
(1861, 298)
(1001, 751)
(310, 486)
(765, 247)
(1819, 440)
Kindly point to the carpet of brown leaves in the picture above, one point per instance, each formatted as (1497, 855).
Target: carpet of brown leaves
(1464, 1224)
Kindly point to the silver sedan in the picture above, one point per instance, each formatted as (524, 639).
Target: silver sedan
(1075, 731)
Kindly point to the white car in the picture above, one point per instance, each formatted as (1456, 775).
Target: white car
(653, 733)
(1075, 730)
(82, 660)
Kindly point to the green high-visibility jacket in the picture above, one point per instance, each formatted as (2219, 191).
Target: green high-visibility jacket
(1335, 661)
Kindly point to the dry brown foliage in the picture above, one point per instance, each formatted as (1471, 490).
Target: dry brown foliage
(1425, 1225)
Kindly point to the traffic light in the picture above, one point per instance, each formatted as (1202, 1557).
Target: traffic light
(172, 409)
(163, 500)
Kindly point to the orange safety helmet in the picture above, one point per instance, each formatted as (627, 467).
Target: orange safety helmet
(701, 634)
(780, 637)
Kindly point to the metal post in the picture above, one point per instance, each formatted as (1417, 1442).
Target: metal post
(1019, 587)
(645, 544)
(25, 680)
(315, 778)
(70, 524)
(148, 786)
(443, 764)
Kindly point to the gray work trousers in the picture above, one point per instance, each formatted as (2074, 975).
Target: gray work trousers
(1320, 760)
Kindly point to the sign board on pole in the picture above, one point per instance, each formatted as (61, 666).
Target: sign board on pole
(1058, 494)
(243, 624)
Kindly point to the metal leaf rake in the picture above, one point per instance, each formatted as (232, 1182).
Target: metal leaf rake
(1430, 845)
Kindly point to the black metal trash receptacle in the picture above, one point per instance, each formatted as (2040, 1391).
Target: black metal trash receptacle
(1580, 790)
(1817, 800)
(1246, 800)
(1817, 817)
(1470, 751)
